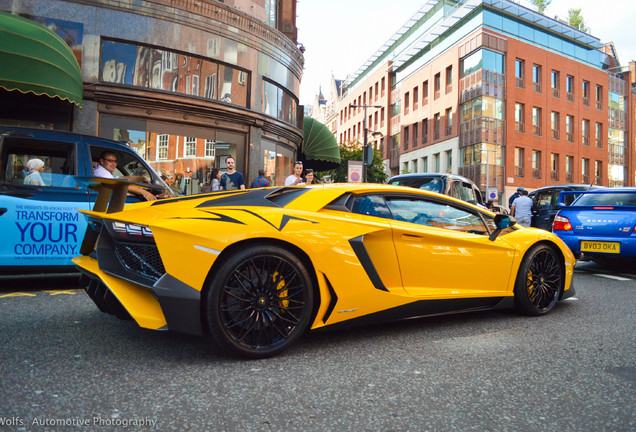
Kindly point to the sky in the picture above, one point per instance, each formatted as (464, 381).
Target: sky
(340, 35)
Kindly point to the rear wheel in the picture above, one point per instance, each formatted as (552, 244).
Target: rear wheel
(539, 282)
(259, 302)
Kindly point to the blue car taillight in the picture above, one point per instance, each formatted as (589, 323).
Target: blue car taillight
(561, 223)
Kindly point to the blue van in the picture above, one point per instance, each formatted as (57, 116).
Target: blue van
(41, 227)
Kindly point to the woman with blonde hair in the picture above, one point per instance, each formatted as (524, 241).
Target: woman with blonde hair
(35, 167)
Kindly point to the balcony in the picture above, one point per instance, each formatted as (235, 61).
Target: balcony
(520, 83)
(586, 101)
(555, 133)
(599, 143)
(481, 129)
(536, 130)
(536, 173)
(536, 87)
(569, 136)
(556, 93)
(519, 171)
(599, 105)
(554, 175)
(569, 177)
(585, 140)
(585, 178)
(449, 130)
(570, 97)
(394, 158)
(598, 180)
(520, 127)
(436, 134)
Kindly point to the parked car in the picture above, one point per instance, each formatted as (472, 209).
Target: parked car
(447, 184)
(545, 202)
(41, 228)
(259, 267)
(600, 224)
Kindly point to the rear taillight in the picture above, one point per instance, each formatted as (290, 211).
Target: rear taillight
(561, 223)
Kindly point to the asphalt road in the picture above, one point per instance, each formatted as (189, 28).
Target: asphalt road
(66, 366)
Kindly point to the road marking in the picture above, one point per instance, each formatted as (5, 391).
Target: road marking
(612, 277)
(58, 292)
(17, 294)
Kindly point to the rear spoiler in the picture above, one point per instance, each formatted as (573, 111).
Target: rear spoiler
(111, 198)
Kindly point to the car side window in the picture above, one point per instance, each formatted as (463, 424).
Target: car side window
(543, 199)
(436, 214)
(32, 162)
(370, 205)
(127, 164)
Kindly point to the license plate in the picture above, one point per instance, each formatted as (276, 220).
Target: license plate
(598, 246)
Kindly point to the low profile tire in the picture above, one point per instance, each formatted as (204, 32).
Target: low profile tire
(539, 282)
(259, 302)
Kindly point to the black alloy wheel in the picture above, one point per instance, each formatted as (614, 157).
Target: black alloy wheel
(260, 302)
(540, 281)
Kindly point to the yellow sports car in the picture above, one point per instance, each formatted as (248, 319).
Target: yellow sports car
(257, 268)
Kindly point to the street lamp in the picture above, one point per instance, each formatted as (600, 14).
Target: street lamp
(365, 148)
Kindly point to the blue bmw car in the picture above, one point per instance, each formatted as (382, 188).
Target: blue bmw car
(599, 224)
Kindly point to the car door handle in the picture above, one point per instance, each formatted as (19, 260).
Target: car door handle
(411, 237)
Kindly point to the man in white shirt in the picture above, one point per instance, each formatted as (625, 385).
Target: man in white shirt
(522, 209)
(106, 168)
(295, 179)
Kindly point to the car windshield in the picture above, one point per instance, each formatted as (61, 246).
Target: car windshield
(616, 199)
(432, 184)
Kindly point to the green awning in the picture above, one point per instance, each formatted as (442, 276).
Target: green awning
(318, 142)
(34, 59)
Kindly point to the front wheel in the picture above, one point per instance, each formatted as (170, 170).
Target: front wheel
(539, 282)
(260, 302)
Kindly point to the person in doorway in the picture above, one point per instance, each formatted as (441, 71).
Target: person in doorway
(309, 177)
(260, 181)
(521, 209)
(232, 179)
(35, 167)
(295, 179)
(106, 168)
(176, 184)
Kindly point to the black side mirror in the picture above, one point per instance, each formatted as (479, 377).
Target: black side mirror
(501, 222)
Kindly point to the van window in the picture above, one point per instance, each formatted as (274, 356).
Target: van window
(57, 160)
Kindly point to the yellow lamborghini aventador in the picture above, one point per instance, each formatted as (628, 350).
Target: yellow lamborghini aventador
(256, 268)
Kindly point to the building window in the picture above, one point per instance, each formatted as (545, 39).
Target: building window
(407, 100)
(599, 97)
(519, 73)
(406, 138)
(569, 87)
(569, 169)
(190, 147)
(415, 135)
(598, 172)
(569, 128)
(586, 93)
(585, 132)
(210, 148)
(425, 92)
(554, 124)
(437, 82)
(585, 170)
(536, 78)
(425, 164)
(536, 164)
(449, 79)
(424, 131)
(416, 95)
(519, 162)
(448, 155)
(436, 163)
(554, 167)
(437, 126)
(449, 121)
(162, 147)
(519, 117)
(383, 85)
(536, 121)
(376, 90)
(599, 135)
(554, 84)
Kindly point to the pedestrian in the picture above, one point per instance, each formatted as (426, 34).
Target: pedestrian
(108, 165)
(35, 167)
(515, 196)
(309, 177)
(176, 185)
(232, 179)
(214, 184)
(260, 181)
(295, 179)
(521, 209)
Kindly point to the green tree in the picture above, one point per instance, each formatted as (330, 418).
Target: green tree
(576, 20)
(541, 5)
(353, 151)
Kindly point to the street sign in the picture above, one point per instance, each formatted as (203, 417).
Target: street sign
(491, 193)
(355, 171)
(368, 154)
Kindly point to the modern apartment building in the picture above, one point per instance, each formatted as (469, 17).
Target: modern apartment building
(497, 92)
(185, 82)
